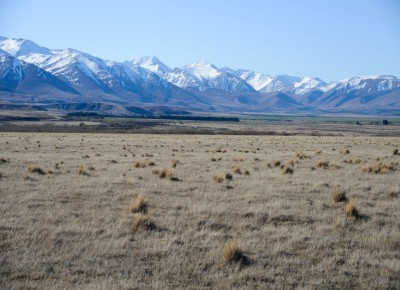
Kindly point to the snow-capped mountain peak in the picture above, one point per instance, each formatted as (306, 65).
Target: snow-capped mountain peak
(257, 80)
(21, 47)
(152, 64)
(203, 70)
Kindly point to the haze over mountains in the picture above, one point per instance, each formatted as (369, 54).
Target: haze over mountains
(33, 74)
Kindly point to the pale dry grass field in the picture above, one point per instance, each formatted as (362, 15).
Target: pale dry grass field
(108, 211)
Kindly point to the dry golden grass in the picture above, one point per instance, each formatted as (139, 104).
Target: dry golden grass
(140, 221)
(287, 170)
(344, 151)
(232, 251)
(339, 196)
(139, 164)
(218, 178)
(237, 170)
(67, 231)
(322, 164)
(81, 170)
(276, 163)
(350, 209)
(174, 163)
(36, 169)
(139, 204)
(381, 167)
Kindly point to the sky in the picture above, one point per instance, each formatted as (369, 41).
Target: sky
(330, 39)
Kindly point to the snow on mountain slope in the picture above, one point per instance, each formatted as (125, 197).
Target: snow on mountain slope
(203, 75)
(184, 79)
(19, 47)
(150, 63)
(34, 83)
(257, 80)
(380, 82)
(11, 71)
(25, 66)
(306, 85)
(358, 92)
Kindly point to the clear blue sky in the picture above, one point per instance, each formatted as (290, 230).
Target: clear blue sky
(332, 39)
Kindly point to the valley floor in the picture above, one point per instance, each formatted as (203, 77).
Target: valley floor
(72, 213)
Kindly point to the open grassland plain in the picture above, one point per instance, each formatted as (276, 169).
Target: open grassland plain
(109, 211)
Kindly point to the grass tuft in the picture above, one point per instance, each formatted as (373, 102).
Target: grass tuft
(174, 163)
(380, 167)
(218, 178)
(232, 252)
(141, 221)
(81, 170)
(35, 169)
(287, 170)
(228, 176)
(339, 196)
(350, 209)
(139, 204)
(322, 164)
(4, 160)
(139, 164)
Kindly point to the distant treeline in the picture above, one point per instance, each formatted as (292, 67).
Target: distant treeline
(163, 117)
(201, 118)
(85, 114)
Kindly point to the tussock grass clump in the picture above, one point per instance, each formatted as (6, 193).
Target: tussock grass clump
(232, 252)
(139, 204)
(36, 169)
(141, 221)
(380, 167)
(4, 160)
(218, 178)
(91, 168)
(139, 164)
(163, 173)
(228, 176)
(151, 163)
(322, 164)
(350, 209)
(276, 163)
(339, 196)
(394, 193)
(246, 172)
(301, 155)
(290, 162)
(237, 170)
(174, 178)
(287, 170)
(344, 151)
(396, 151)
(213, 159)
(81, 170)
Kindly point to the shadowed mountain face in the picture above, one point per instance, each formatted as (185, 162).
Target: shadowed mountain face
(31, 73)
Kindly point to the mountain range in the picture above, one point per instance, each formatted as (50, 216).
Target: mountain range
(31, 74)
